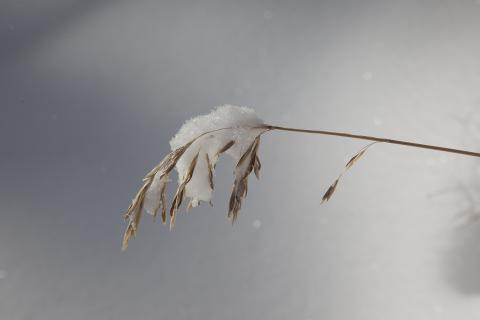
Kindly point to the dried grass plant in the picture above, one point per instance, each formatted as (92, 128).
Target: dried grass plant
(152, 195)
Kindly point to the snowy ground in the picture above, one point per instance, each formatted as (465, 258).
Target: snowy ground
(92, 92)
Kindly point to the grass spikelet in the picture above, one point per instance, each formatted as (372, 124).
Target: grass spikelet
(135, 211)
(223, 149)
(210, 171)
(257, 165)
(240, 186)
(177, 200)
(349, 165)
(329, 193)
(357, 156)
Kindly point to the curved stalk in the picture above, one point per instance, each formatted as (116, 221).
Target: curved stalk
(377, 139)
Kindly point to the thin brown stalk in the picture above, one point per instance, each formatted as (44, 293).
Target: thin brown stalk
(328, 194)
(378, 139)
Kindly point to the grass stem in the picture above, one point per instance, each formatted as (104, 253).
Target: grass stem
(377, 139)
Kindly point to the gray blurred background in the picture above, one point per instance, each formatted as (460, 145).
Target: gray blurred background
(92, 91)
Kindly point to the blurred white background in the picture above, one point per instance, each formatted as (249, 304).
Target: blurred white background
(92, 91)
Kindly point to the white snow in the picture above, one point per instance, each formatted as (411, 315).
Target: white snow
(242, 119)
(238, 124)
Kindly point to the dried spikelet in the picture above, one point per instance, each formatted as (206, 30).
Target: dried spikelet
(256, 144)
(135, 210)
(177, 200)
(163, 201)
(240, 186)
(210, 171)
(254, 161)
(354, 159)
(137, 201)
(161, 196)
(134, 215)
(235, 203)
(349, 164)
(126, 237)
(222, 150)
(228, 129)
(246, 154)
(330, 191)
(227, 146)
(168, 163)
(359, 154)
(257, 165)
